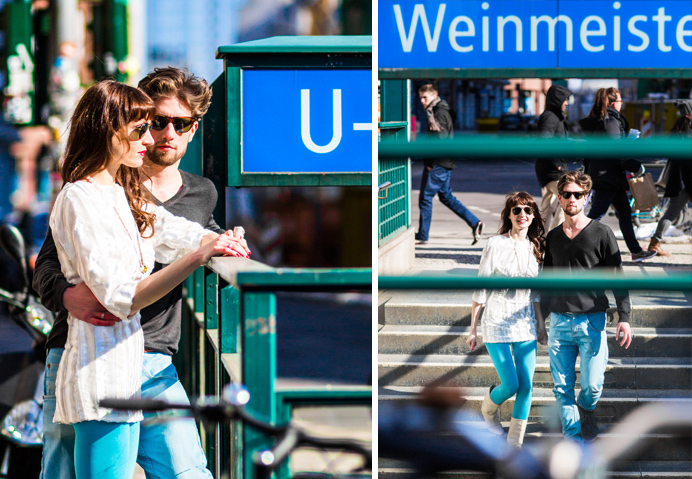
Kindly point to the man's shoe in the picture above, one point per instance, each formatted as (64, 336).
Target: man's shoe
(589, 426)
(421, 242)
(655, 245)
(642, 255)
(477, 231)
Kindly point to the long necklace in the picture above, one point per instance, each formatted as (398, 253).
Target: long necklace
(528, 260)
(137, 245)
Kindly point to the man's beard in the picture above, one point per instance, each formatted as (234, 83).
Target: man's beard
(166, 158)
(575, 212)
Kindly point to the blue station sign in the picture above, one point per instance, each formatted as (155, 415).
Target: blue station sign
(306, 121)
(526, 34)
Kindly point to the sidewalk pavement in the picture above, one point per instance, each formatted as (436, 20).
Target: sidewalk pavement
(449, 249)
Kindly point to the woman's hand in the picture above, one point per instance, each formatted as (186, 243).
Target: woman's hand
(541, 334)
(237, 246)
(226, 244)
(471, 340)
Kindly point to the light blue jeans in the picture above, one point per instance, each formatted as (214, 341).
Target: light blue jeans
(168, 450)
(572, 334)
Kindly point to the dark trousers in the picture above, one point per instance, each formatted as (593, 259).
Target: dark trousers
(600, 202)
(436, 182)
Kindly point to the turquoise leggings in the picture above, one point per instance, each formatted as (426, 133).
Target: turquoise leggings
(516, 375)
(105, 450)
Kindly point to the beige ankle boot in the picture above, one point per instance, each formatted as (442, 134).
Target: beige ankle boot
(491, 414)
(655, 245)
(517, 428)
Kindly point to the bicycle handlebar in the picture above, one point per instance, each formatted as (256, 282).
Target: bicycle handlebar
(232, 407)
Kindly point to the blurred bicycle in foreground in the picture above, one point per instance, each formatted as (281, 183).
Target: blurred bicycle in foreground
(432, 436)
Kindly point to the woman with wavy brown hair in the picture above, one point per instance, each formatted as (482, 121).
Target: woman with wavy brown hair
(511, 321)
(108, 236)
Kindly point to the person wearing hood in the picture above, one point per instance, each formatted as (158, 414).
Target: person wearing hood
(609, 179)
(437, 173)
(679, 184)
(552, 124)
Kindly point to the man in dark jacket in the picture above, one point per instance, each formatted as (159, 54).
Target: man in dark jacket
(437, 173)
(552, 124)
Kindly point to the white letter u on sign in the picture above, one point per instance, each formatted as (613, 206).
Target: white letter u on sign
(305, 122)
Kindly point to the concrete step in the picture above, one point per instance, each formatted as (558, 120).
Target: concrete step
(453, 308)
(477, 370)
(630, 470)
(612, 407)
(434, 339)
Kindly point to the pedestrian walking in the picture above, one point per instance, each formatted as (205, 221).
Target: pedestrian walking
(679, 183)
(609, 178)
(511, 320)
(577, 318)
(552, 124)
(437, 173)
(101, 209)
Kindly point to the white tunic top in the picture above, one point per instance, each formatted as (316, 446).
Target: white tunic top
(508, 315)
(96, 238)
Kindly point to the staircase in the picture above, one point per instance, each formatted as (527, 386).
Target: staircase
(422, 340)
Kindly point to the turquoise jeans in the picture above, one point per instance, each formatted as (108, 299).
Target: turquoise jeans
(170, 449)
(571, 335)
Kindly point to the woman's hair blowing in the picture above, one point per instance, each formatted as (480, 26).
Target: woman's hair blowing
(100, 119)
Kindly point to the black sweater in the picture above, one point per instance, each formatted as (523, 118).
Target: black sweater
(594, 247)
(195, 201)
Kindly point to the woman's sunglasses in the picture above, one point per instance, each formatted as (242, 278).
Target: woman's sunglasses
(516, 211)
(140, 131)
(181, 124)
(577, 194)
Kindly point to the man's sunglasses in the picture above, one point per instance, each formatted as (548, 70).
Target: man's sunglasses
(181, 124)
(140, 131)
(516, 211)
(577, 194)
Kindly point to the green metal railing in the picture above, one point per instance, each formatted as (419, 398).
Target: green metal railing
(393, 211)
(394, 215)
(231, 336)
(486, 146)
(553, 281)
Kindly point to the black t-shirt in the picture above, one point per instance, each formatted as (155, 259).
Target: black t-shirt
(194, 201)
(594, 247)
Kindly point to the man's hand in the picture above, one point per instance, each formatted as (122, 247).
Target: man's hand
(83, 305)
(624, 328)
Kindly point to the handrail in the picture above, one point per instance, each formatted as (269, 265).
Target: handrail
(552, 281)
(487, 146)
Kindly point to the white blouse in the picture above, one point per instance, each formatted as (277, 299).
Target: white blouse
(97, 241)
(508, 315)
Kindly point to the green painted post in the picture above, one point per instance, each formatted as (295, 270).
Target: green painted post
(229, 318)
(259, 369)
(118, 31)
(211, 300)
(198, 290)
(213, 139)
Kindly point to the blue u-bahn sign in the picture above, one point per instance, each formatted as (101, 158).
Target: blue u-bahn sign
(306, 121)
(631, 34)
(292, 111)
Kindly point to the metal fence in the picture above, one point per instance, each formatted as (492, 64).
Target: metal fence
(229, 334)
